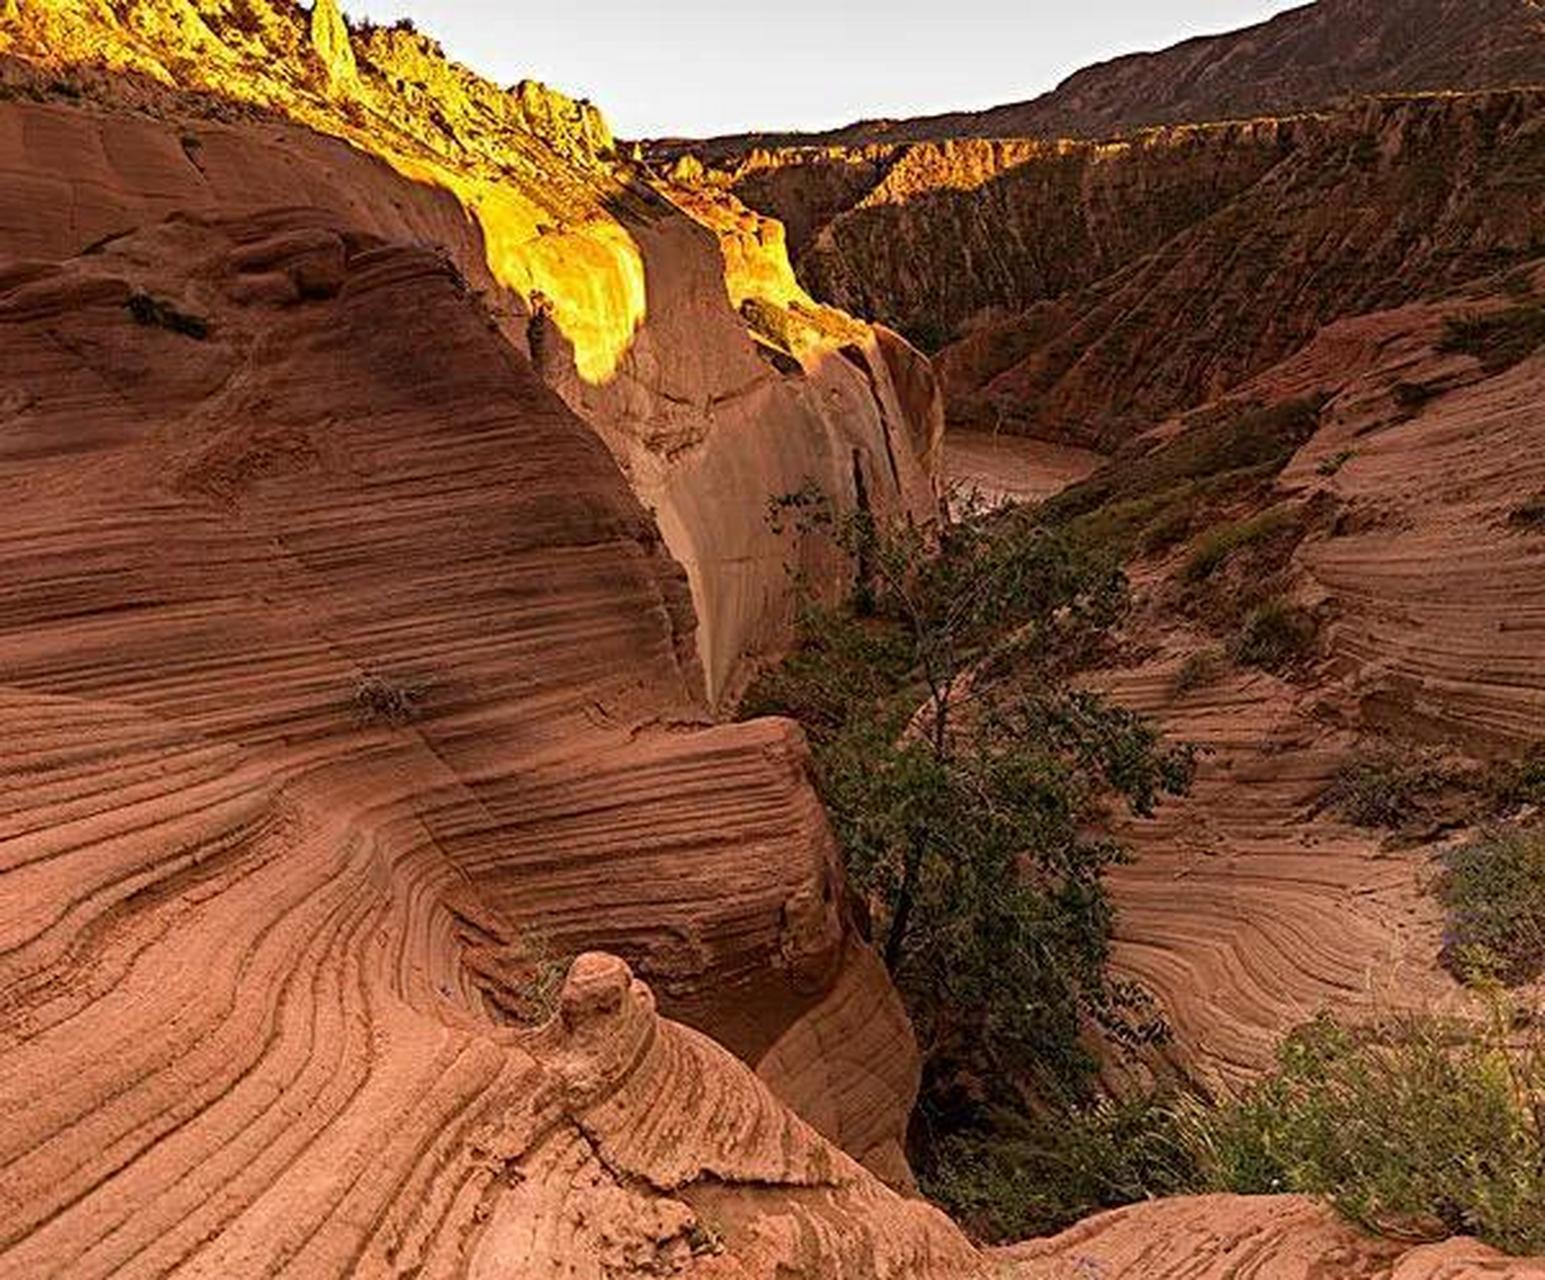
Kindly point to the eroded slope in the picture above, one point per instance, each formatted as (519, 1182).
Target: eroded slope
(348, 689)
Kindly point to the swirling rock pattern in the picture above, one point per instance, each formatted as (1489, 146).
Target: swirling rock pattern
(1251, 906)
(338, 661)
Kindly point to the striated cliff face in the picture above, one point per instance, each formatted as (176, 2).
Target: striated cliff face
(567, 241)
(356, 681)
(349, 691)
(1082, 292)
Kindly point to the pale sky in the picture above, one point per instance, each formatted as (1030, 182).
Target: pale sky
(696, 67)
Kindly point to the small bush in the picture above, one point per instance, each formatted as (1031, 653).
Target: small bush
(1332, 465)
(1413, 1128)
(1169, 529)
(1529, 516)
(161, 314)
(1513, 784)
(1493, 890)
(543, 969)
(1200, 670)
(1033, 1176)
(381, 701)
(1498, 339)
(1392, 788)
(1275, 636)
(1213, 548)
(1413, 397)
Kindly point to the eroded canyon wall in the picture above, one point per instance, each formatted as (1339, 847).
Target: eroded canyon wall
(544, 217)
(353, 684)
(1085, 291)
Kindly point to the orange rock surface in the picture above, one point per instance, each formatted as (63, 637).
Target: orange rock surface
(1226, 1237)
(346, 685)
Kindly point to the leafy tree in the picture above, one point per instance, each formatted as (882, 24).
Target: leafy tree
(965, 776)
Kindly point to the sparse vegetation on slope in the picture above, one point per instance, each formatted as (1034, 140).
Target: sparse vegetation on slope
(1498, 339)
(1399, 788)
(1414, 1128)
(1493, 890)
(1152, 498)
(1275, 636)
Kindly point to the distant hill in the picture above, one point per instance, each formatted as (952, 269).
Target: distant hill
(1304, 58)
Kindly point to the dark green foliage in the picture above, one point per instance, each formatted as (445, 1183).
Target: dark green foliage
(1200, 670)
(1414, 1127)
(157, 312)
(1333, 464)
(1396, 787)
(1218, 545)
(1512, 784)
(965, 778)
(1275, 636)
(1493, 890)
(1498, 339)
(1167, 530)
(1024, 1176)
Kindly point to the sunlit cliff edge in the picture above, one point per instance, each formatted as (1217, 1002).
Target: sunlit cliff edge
(617, 293)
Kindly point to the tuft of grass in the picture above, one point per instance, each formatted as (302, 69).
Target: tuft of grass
(1493, 892)
(1199, 670)
(543, 970)
(159, 313)
(1498, 339)
(1333, 464)
(1027, 1176)
(1275, 636)
(1217, 546)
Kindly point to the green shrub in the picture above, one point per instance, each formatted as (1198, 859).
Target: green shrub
(1493, 893)
(1498, 339)
(1026, 1176)
(1168, 529)
(1199, 670)
(1391, 787)
(968, 779)
(1275, 636)
(537, 983)
(1412, 1128)
(1513, 784)
(1215, 547)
